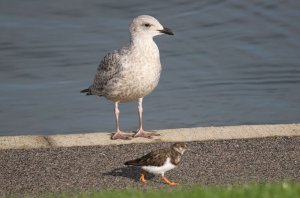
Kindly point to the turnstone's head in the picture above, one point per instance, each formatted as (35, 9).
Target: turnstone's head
(180, 147)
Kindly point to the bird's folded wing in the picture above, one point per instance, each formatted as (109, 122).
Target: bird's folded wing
(109, 67)
(155, 158)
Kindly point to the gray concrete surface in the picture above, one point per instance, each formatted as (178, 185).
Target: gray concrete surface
(73, 169)
(168, 135)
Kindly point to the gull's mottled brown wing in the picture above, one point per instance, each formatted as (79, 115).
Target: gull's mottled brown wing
(108, 68)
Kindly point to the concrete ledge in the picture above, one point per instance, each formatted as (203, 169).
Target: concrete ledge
(167, 135)
(23, 142)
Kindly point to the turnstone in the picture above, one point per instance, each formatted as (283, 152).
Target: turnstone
(132, 72)
(160, 161)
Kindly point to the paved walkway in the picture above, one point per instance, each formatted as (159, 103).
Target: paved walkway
(72, 169)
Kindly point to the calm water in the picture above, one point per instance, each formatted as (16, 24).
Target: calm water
(230, 63)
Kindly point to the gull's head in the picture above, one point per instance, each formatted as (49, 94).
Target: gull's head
(147, 26)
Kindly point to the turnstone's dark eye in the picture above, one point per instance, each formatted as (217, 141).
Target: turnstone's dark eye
(147, 24)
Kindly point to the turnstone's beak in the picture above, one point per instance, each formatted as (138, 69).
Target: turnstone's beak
(166, 31)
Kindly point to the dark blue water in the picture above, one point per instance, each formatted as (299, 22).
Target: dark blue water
(230, 63)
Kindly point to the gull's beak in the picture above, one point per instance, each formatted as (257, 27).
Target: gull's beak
(166, 31)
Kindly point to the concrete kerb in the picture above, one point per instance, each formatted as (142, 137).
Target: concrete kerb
(167, 135)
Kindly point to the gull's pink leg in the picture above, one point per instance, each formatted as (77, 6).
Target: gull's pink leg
(141, 132)
(119, 134)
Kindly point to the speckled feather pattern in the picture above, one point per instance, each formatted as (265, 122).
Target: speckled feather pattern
(157, 158)
(129, 73)
(160, 156)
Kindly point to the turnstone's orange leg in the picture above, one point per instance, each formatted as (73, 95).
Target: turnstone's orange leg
(142, 177)
(168, 181)
(141, 132)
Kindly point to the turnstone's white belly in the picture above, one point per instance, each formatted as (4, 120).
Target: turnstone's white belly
(160, 169)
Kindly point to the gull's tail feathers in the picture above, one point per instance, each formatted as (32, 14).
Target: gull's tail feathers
(87, 91)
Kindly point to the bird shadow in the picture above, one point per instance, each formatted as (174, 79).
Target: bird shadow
(130, 172)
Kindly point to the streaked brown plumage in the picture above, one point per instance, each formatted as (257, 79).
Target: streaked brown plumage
(132, 72)
(159, 161)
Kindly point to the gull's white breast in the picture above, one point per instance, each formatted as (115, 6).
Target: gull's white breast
(139, 73)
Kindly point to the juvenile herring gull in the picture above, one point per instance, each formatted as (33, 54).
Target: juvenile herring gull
(132, 72)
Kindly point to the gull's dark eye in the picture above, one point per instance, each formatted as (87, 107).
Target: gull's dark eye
(147, 25)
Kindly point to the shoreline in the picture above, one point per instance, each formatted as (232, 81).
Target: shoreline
(167, 135)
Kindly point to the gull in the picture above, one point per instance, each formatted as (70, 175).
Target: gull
(132, 72)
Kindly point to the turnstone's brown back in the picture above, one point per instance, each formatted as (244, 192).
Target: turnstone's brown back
(160, 161)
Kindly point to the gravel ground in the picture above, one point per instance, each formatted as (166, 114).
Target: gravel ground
(74, 169)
